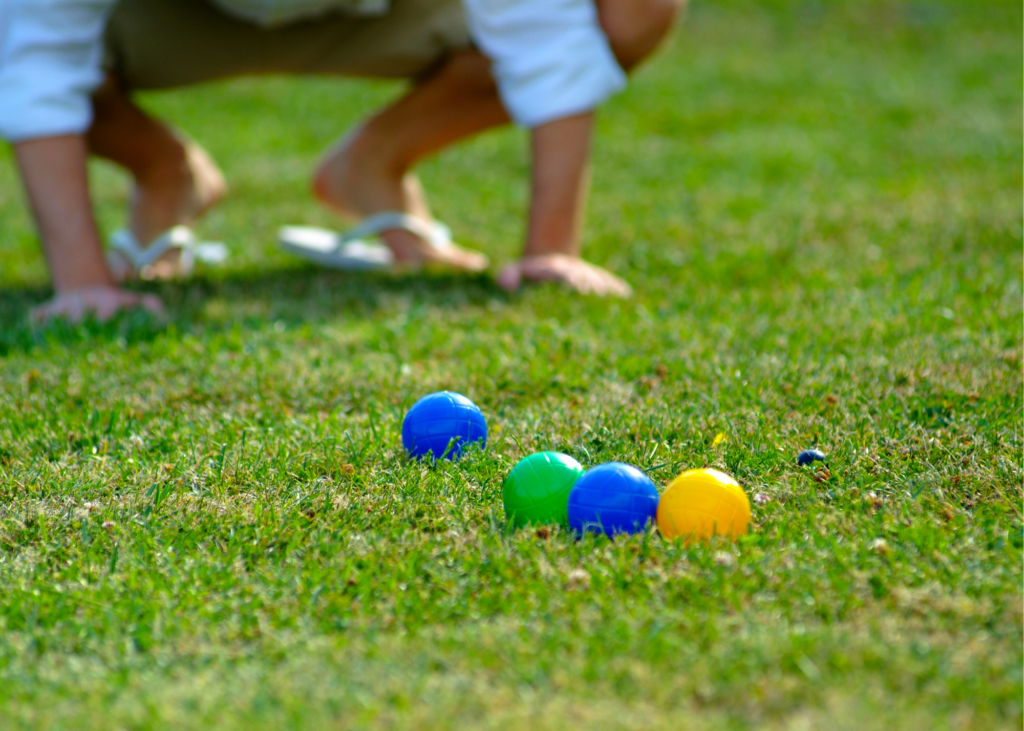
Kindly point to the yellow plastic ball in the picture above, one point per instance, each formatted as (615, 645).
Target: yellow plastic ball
(700, 504)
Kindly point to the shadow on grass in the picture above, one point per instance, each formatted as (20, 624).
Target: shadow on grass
(250, 299)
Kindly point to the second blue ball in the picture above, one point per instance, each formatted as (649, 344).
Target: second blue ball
(612, 498)
(442, 424)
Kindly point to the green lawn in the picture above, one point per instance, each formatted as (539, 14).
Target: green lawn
(210, 523)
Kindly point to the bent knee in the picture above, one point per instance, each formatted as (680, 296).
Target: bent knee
(635, 28)
(471, 70)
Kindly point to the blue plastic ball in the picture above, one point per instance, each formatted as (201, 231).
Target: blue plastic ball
(810, 455)
(442, 425)
(612, 498)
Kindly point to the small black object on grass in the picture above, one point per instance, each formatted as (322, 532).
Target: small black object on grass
(810, 455)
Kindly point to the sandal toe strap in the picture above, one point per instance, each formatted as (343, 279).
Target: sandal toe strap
(437, 234)
(176, 237)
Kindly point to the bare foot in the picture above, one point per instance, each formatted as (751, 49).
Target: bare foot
(101, 302)
(355, 181)
(577, 274)
(177, 191)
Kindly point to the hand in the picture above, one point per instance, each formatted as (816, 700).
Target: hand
(582, 276)
(102, 302)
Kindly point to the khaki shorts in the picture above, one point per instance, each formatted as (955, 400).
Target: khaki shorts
(160, 44)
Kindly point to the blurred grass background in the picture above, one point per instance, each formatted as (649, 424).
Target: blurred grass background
(209, 522)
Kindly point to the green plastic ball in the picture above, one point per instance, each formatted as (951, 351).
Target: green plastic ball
(536, 491)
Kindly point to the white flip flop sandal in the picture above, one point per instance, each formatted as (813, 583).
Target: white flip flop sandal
(351, 250)
(124, 244)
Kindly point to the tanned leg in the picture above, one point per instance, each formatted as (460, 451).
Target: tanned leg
(175, 180)
(368, 171)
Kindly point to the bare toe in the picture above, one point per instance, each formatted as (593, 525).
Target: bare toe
(410, 249)
(464, 259)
